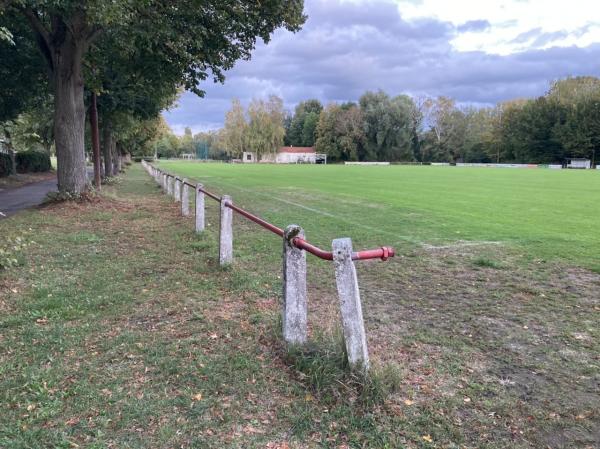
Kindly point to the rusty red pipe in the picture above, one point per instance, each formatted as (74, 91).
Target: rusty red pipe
(265, 224)
(314, 250)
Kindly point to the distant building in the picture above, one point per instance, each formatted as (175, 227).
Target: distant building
(288, 155)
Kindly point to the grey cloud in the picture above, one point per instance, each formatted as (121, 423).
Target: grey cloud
(526, 36)
(346, 49)
(536, 38)
(474, 25)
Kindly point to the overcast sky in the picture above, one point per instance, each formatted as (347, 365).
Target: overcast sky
(476, 51)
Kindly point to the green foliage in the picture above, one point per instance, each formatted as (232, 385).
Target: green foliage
(265, 131)
(33, 128)
(301, 131)
(134, 54)
(235, 131)
(22, 70)
(33, 161)
(340, 132)
(387, 123)
(561, 124)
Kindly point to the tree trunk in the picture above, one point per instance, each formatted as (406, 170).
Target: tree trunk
(107, 148)
(95, 140)
(115, 157)
(11, 153)
(13, 162)
(69, 117)
(119, 156)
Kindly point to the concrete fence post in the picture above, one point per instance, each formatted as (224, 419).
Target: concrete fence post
(295, 307)
(177, 189)
(199, 208)
(170, 183)
(226, 232)
(350, 306)
(164, 182)
(185, 198)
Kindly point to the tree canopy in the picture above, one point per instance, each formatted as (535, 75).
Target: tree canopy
(127, 48)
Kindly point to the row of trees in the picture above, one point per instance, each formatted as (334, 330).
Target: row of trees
(565, 122)
(123, 62)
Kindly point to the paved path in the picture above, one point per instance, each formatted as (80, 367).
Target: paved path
(14, 200)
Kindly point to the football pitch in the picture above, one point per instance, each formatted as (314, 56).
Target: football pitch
(546, 214)
(489, 310)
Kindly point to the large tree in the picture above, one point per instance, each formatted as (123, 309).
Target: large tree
(301, 131)
(265, 131)
(235, 130)
(388, 124)
(193, 38)
(340, 132)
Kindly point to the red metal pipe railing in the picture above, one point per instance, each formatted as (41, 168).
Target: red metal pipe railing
(259, 221)
(382, 253)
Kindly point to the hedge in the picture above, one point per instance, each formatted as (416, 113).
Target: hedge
(33, 161)
(5, 164)
(145, 158)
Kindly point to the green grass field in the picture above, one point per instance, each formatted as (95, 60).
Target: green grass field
(549, 214)
(118, 327)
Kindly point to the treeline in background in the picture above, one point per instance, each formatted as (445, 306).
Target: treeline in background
(562, 123)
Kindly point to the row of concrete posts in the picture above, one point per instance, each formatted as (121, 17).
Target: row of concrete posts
(295, 304)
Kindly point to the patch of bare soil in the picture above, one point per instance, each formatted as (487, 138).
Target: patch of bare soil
(85, 204)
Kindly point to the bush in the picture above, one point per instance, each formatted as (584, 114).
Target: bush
(33, 161)
(5, 164)
(140, 158)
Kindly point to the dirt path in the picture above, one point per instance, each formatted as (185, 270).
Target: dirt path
(14, 200)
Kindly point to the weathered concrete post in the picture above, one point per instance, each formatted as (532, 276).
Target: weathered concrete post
(169, 185)
(226, 232)
(177, 189)
(164, 182)
(351, 309)
(185, 198)
(199, 208)
(295, 308)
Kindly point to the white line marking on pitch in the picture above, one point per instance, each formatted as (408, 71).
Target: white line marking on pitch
(327, 214)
